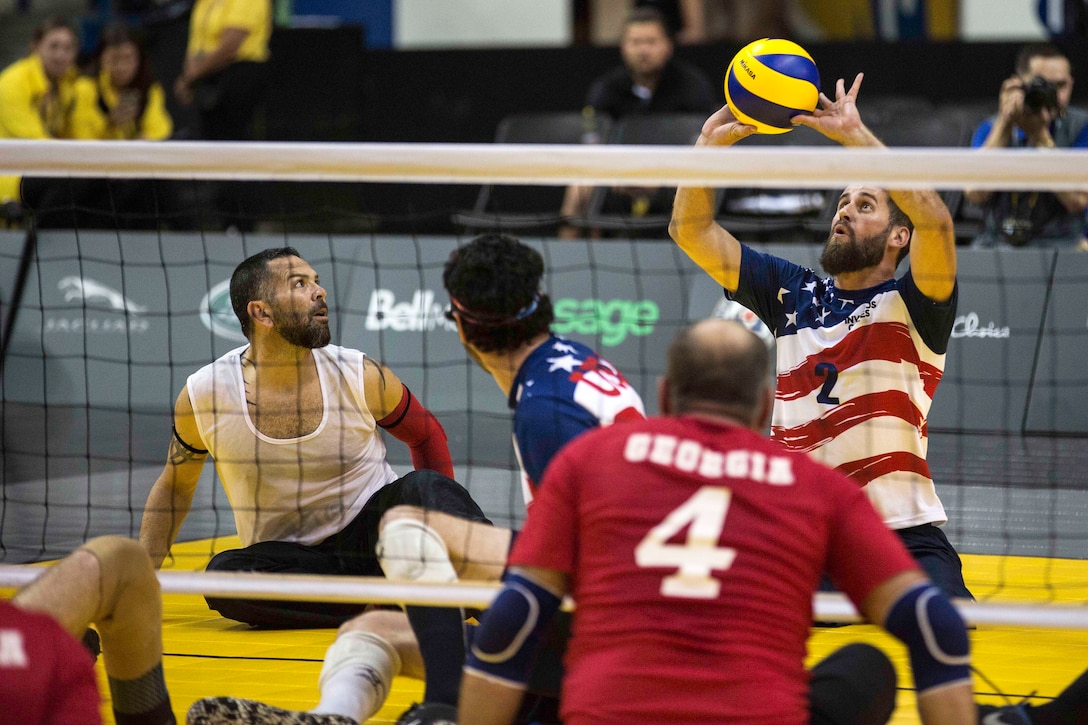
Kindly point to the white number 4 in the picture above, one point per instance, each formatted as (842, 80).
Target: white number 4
(704, 515)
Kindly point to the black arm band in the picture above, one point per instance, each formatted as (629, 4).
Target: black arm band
(186, 446)
(406, 399)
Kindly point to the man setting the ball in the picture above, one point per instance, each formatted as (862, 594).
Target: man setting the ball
(860, 352)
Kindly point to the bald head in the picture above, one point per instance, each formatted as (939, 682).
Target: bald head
(717, 365)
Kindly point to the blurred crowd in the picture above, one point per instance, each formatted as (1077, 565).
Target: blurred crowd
(114, 96)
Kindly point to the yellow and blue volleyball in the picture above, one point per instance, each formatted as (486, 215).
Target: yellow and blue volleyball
(769, 82)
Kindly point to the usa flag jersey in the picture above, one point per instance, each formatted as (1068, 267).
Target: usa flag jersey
(561, 390)
(857, 370)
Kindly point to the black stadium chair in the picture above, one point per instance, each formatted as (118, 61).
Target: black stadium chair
(971, 113)
(631, 213)
(774, 214)
(527, 208)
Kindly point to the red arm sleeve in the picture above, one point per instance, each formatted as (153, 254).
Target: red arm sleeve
(417, 427)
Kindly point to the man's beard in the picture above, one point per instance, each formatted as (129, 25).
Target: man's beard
(852, 255)
(303, 332)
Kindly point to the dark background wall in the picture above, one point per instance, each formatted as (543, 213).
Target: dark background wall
(461, 95)
(328, 86)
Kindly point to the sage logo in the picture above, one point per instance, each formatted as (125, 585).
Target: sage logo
(419, 314)
(217, 314)
(612, 320)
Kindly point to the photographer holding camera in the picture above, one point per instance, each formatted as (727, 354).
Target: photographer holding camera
(1034, 112)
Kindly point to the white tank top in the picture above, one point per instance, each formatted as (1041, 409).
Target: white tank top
(292, 489)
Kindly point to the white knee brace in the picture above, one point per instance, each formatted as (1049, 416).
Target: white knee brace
(368, 653)
(410, 550)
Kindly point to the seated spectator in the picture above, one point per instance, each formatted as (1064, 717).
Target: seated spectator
(37, 93)
(1033, 113)
(121, 100)
(649, 80)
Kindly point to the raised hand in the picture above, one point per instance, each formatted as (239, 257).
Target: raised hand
(1010, 102)
(839, 120)
(723, 129)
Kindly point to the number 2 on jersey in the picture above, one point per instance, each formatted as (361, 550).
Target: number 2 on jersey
(699, 555)
(830, 373)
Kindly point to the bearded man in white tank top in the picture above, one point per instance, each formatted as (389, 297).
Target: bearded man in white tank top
(292, 424)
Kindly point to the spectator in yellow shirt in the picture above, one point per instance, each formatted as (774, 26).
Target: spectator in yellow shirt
(223, 73)
(121, 100)
(37, 93)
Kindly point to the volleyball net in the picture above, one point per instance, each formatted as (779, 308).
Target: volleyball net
(106, 311)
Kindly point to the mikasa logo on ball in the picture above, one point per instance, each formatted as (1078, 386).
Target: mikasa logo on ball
(769, 82)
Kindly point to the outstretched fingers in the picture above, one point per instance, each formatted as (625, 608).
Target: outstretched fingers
(855, 87)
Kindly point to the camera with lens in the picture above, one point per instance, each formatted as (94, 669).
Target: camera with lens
(1039, 93)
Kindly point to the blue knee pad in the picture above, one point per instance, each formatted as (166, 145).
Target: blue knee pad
(925, 620)
(510, 630)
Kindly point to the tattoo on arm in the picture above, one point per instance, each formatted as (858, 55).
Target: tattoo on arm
(377, 366)
(250, 398)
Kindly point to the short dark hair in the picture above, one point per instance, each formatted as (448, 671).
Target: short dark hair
(647, 14)
(898, 218)
(1036, 50)
(250, 282)
(721, 373)
(494, 282)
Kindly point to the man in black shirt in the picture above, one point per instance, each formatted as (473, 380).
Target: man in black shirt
(650, 80)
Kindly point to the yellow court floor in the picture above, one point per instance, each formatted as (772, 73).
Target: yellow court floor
(208, 655)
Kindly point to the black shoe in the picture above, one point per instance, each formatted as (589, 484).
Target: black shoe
(429, 713)
(236, 711)
(1007, 715)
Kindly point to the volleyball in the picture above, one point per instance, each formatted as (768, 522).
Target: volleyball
(769, 82)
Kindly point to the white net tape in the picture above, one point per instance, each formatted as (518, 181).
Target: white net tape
(794, 167)
(304, 588)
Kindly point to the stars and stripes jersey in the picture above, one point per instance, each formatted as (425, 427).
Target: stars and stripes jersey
(46, 676)
(857, 370)
(563, 389)
(694, 548)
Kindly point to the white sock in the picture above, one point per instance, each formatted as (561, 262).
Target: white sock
(358, 672)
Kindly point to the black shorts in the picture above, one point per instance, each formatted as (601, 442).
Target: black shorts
(936, 555)
(355, 546)
(351, 552)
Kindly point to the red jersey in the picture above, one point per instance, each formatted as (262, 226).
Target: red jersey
(46, 676)
(694, 550)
